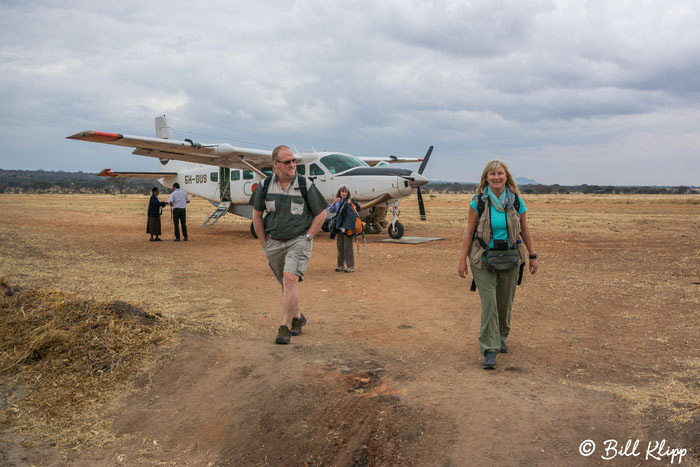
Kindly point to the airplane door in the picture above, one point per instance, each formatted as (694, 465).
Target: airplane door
(321, 180)
(225, 183)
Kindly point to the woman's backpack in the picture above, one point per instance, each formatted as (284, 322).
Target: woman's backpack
(356, 214)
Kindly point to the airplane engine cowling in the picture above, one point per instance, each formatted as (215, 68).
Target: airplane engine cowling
(224, 149)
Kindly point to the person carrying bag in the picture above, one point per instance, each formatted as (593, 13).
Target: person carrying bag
(496, 224)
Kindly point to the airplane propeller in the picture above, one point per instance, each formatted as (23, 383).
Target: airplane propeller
(421, 206)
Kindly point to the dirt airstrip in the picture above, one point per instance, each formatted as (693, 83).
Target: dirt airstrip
(605, 341)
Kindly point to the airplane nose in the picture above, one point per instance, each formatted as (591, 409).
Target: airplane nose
(418, 180)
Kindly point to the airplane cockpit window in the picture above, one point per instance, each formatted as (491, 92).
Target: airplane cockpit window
(214, 177)
(337, 163)
(316, 170)
(235, 175)
(247, 175)
(301, 169)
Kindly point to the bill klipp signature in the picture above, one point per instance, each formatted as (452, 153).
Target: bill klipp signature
(655, 450)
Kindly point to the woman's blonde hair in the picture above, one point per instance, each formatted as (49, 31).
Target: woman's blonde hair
(510, 181)
(337, 195)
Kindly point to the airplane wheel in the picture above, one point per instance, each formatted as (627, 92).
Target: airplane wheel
(252, 231)
(396, 230)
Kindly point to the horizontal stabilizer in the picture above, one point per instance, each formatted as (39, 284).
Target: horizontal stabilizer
(152, 175)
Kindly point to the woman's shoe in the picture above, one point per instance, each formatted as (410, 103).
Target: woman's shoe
(489, 360)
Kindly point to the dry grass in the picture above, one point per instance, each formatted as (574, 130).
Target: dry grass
(675, 393)
(618, 272)
(62, 358)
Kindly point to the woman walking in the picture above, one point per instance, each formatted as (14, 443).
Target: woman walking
(496, 224)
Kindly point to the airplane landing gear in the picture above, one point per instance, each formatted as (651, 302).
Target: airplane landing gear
(371, 228)
(375, 222)
(396, 230)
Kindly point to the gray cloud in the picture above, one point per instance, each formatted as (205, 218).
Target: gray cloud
(567, 92)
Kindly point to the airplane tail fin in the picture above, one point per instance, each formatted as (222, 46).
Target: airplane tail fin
(165, 132)
(162, 128)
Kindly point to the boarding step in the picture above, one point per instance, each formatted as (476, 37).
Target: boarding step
(220, 210)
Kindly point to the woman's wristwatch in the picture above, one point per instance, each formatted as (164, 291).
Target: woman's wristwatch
(533, 256)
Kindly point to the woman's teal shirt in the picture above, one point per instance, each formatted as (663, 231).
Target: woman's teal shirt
(498, 219)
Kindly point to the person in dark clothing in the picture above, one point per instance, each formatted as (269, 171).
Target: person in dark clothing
(341, 225)
(155, 209)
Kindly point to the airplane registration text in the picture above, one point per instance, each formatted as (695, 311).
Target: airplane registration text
(199, 178)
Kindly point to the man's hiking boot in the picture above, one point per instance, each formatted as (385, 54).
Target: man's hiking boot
(339, 269)
(350, 270)
(297, 324)
(489, 360)
(504, 347)
(283, 335)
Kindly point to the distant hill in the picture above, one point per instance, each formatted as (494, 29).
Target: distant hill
(525, 181)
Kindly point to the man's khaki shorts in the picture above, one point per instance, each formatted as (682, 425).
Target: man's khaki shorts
(288, 256)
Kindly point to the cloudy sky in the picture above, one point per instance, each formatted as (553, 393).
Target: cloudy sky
(568, 92)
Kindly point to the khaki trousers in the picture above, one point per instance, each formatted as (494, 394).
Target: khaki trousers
(497, 291)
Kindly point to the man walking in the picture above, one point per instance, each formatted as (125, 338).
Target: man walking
(295, 212)
(178, 200)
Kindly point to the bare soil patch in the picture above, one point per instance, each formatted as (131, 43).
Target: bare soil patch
(604, 342)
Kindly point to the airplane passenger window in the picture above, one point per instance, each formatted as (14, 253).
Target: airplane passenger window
(235, 175)
(316, 170)
(301, 169)
(214, 177)
(267, 171)
(247, 174)
(337, 163)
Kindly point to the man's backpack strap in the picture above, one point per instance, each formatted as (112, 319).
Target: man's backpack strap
(266, 186)
(303, 189)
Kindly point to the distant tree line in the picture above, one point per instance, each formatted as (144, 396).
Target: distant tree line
(449, 187)
(43, 181)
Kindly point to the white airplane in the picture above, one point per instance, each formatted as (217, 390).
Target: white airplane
(227, 175)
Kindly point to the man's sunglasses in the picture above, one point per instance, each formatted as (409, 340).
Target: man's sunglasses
(287, 162)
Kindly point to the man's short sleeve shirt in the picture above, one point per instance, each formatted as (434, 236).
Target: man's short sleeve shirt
(288, 216)
(179, 199)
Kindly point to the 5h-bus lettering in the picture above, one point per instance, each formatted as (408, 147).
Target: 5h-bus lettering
(199, 178)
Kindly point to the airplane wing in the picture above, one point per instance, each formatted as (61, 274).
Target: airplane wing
(223, 155)
(151, 175)
(372, 161)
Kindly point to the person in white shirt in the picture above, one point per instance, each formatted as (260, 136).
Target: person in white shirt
(178, 200)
